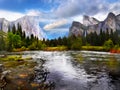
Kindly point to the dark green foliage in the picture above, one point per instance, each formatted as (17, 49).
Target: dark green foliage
(14, 41)
(76, 44)
(95, 39)
(108, 45)
(16, 38)
(14, 29)
(73, 43)
(9, 30)
(37, 45)
(2, 43)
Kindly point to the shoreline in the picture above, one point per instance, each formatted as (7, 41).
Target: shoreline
(20, 71)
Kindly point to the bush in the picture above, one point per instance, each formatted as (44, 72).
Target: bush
(32, 47)
(76, 44)
(108, 45)
(23, 48)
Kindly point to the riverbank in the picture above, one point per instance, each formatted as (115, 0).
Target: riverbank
(59, 48)
(93, 48)
(64, 48)
(20, 71)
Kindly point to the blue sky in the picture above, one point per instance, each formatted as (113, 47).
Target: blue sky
(55, 14)
(59, 8)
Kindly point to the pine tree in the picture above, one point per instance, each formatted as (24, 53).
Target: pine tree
(14, 29)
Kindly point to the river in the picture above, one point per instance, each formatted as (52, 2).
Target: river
(80, 70)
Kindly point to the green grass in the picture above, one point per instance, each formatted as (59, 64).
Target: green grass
(59, 48)
(11, 58)
(15, 60)
(93, 48)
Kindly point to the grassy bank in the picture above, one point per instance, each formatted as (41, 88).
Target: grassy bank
(64, 48)
(93, 48)
(14, 61)
(59, 48)
(21, 69)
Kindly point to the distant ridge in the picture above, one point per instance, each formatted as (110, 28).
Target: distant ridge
(90, 24)
(29, 24)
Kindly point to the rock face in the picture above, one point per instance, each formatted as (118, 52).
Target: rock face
(112, 22)
(4, 24)
(77, 29)
(89, 20)
(29, 24)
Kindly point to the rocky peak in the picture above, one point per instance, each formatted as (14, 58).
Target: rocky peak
(4, 24)
(75, 23)
(118, 17)
(29, 24)
(76, 29)
(111, 15)
(112, 22)
(89, 20)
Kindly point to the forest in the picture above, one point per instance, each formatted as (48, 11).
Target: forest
(16, 40)
(105, 41)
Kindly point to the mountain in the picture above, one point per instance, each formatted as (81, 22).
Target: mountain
(4, 24)
(112, 22)
(89, 20)
(76, 29)
(29, 24)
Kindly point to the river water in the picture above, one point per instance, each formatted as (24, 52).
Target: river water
(80, 70)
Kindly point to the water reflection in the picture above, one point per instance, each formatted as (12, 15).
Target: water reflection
(105, 66)
(80, 70)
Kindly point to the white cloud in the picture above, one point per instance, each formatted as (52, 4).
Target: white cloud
(33, 12)
(55, 24)
(115, 7)
(71, 8)
(100, 16)
(11, 16)
(68, 8)
(78, 18)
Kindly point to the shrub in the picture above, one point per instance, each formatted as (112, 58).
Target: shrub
(108, 45)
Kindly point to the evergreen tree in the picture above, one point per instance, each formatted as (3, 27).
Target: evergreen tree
(107, 34)
(9, 30)
(14, 29)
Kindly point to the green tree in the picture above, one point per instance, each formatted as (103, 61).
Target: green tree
(9, 30)
(13, 41)
(2, 40)
(2, 43)
(108, 45)
(76, 44)
(10, 41)
(16, 41)
(107, 34)
(14, 29)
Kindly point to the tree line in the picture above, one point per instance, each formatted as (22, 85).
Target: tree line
(95, 39)
(16, 38)
(107, 38)
(72, 42)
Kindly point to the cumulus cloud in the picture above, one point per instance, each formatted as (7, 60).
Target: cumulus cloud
(55, 24)
(115, 7)
(11, 16)
(72, 8)
(78, 18)
(69, 9)
(100, 16)
(33, 12)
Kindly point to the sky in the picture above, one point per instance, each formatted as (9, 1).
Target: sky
(58, 13)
